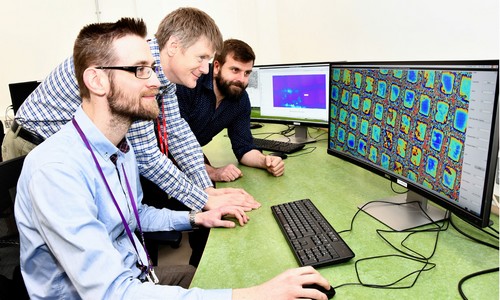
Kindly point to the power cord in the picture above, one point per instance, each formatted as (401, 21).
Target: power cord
(415, 256)
(304, 151)
(464, 279)
(8, 119)
(461, 282)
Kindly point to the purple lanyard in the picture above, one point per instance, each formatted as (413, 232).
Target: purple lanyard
(144, 269)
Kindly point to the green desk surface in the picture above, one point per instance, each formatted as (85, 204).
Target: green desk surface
(249, 255)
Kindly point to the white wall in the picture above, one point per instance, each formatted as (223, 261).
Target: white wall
(37, 35)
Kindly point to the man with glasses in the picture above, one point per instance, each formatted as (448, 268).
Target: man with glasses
(79, 199)
(185, 41)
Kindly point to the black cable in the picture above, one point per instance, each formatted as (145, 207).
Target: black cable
(302, 152)
(392, 188)
(419, 257)
(286, 132)
(473, 238)
(416, 257)
(437, 229)
(493, 229)
(461, 282)
(316, 137)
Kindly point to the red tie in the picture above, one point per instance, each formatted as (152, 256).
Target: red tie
(162, 131)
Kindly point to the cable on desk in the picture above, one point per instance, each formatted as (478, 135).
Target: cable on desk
(323, 133)
(476, 239)
(302, 152)
(282, 132)
(269, 134)
(426, 266)
(493, 229)
(437, 229)
(396, 192)
(287, 131)
(461, 282)
(415, 256)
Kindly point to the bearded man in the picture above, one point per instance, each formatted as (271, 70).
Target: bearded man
(220, 101)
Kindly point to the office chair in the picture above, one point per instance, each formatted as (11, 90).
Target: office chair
(10, 171)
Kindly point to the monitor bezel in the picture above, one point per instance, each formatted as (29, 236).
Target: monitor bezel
(480, 221)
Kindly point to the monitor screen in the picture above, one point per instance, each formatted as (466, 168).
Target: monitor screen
(19, 91)
(295, 94)
(432, 127)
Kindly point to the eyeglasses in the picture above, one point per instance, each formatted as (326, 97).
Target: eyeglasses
(141, 72)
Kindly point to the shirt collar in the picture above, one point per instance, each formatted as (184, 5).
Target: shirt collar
(122, 147)
(100, 144)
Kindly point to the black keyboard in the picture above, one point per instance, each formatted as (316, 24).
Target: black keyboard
(312, 239)
(277, 146)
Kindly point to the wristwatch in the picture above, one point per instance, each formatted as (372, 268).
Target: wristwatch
(192, 216)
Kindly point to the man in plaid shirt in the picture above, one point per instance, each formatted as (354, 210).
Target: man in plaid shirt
(185, 41)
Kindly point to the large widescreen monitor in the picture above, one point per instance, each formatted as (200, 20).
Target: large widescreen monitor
(295, 94)
(431, 127)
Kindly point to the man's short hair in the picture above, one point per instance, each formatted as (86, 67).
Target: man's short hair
(188, 24)
(240, 51)
(94, 45)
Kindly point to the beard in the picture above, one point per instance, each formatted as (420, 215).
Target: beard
(232, 90)
(134, 108)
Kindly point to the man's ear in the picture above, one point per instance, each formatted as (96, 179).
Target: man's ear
(173, 45)
(96, 81)
(216, 66)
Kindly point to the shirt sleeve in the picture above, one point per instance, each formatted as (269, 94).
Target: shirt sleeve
(239, 130)
(53, 103)
(156, 167)
(183, 144)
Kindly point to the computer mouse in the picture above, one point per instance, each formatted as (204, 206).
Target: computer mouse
(329, 293)
(280, 154)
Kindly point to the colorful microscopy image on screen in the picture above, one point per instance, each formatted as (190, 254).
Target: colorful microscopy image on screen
(299, 91)
(410, 122)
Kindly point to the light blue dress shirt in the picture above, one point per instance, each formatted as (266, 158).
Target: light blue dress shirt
(73, 242)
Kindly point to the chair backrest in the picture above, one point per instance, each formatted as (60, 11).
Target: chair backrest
(10, 171)
(14, 288)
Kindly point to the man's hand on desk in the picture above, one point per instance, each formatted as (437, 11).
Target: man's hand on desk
(224, 174)
(213, 218)
(230, 197)
(287, 285)
(274, 165)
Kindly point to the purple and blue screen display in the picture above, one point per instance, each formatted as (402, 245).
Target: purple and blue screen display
(299, 91)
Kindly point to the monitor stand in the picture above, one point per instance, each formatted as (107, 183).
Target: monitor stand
(404, 212)
(301, 136)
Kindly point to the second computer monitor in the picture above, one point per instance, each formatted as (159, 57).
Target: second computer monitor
(295, 94)
(19, 91)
